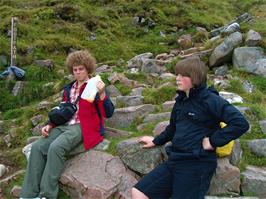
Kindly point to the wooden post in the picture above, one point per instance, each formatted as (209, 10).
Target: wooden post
(13, 48)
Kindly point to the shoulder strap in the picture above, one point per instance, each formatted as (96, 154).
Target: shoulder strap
(78, 98)
(100, 116)
(67, 89)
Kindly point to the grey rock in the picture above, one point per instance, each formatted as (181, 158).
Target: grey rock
(104, 176)
(223, 52)
(185, 41)
(15, 191)
(168, 105)
(7, 139)
(43, 105)
(237, 153)
(231, 97)
(244, 110)
(157, 117)
(160, 127)
(258, 146)
(248, 86)
(112, 91)
(253, 38)
(2, 170)
(139, 20)
(112, 132)
(226, 180)
(48, 63)
(221, 71)
(104, 69)
(36, 131)
(137, 61)
(36, 120)
(131, 153)
(254, 181)
(221, 82)
(152, 66)
(124, 117)
(246, 57)
(234, 27)
(17, 89)
(137, 91)
(260, 66)
(262, 124)
(130, 100)
(167, 76)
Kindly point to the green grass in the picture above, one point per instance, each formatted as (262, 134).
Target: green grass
(158, 96)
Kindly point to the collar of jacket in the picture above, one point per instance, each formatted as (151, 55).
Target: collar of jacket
(192, 92)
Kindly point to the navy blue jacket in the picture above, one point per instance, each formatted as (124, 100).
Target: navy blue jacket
(198, 116)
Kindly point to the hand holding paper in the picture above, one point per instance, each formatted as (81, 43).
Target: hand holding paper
(91, 90)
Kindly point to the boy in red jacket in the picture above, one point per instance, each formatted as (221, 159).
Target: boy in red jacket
(46, 161)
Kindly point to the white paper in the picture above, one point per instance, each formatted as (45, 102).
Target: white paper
(91, 90)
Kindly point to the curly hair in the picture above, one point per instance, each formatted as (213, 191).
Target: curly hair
(194, 68)
(81, 57)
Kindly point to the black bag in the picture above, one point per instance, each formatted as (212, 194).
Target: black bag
(64, 112)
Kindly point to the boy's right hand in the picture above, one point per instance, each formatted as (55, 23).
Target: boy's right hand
(45, 130)
(147, 140)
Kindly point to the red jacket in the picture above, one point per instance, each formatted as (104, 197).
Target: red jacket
(91, 126)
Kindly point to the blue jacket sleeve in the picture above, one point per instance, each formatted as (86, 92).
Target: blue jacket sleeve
(108, 107)
(225, 112)
(169, 132)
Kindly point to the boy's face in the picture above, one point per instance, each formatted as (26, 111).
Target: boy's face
(183, 83)
(80, 73)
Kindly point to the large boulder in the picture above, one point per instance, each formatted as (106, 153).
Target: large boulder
(226, 180)
(223, 52)
(132, 100)
(157, 117)
(124, 117)
(137, 158)
(258, 146)
(254, 181)
(152, 66)
(250, 59)
(137, 61)
(96, 174)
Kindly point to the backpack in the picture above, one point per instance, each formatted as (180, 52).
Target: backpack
(227, 149)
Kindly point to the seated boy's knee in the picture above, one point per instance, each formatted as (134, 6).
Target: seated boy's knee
(55, 148)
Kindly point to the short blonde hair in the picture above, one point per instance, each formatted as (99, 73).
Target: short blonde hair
(194, 68)
(81, 57)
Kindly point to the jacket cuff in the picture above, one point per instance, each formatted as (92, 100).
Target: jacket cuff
(212, 142)
(50, 123)
(156, 141)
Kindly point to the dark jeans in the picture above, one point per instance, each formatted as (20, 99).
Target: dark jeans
(189, 179)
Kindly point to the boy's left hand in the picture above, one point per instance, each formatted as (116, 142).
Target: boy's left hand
(206, 144)
(101, 89)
